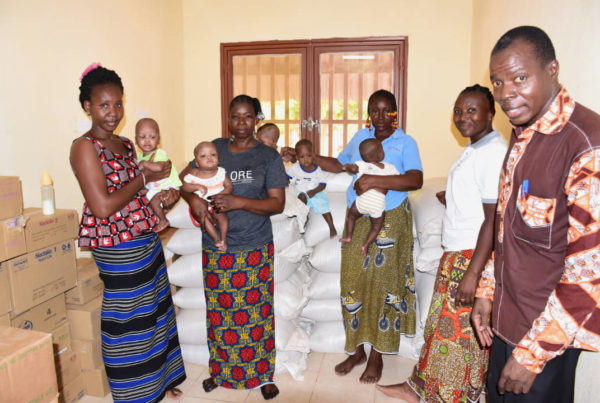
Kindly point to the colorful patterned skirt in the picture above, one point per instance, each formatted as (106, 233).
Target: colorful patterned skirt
(452, 367)
(238, 286)
(378, 292)
(140, 346)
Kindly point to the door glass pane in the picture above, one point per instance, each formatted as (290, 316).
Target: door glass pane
(275, 81)
(347, 79)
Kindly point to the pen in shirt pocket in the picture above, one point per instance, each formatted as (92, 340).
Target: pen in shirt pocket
(525, 188)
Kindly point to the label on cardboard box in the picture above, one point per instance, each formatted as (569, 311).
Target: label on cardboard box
(5, 303)
(27, 371)
(44, 317)
(72, 392)
(40, 275)
(12, 237)
(11, 198)
(85, 319)
(43, 230)
(89, 286)
(61, 339)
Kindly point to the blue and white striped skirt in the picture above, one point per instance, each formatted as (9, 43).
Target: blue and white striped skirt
(140, 346)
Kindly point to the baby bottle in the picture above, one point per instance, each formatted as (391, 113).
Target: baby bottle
(47, 194)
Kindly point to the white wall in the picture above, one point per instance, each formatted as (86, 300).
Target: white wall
(573, 27)
(439, 44)
(45, 46)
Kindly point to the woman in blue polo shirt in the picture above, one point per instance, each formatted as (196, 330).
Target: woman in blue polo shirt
(377, 291)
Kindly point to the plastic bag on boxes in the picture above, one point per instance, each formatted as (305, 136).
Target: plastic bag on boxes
(317, 229)
(195, 353)
(428, 259)
(186, 271)
(285, 232)
(428, 212)
(290, 296)
(323, 310)
(324, 286)
(327, 256)
(190, 298)
(191, 326)
(186, 241)
(179, 216)
(328, 337)
(337, 182)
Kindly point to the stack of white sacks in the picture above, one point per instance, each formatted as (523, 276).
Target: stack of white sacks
(308, 314)
(324, 306)
(291, 284)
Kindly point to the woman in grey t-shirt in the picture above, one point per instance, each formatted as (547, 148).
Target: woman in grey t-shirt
(238, 282)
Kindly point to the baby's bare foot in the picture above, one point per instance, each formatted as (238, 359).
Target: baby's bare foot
(221, 245)
(332, 233)
(346, 239)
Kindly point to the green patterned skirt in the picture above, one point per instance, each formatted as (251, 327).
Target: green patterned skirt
(378, 291)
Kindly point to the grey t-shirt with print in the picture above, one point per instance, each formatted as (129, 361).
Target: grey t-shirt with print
(252, 173)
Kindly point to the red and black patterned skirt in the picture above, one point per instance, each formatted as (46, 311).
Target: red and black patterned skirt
(238, 286)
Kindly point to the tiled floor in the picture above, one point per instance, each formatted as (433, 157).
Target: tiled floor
(320, 385)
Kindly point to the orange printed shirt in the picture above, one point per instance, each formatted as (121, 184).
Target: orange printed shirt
(544, 277)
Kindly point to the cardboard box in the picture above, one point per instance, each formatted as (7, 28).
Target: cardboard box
(83, 262)
(72, 392)
(11, 198)
(40, 275)
(5, 319)
(5, 301)
(26, 366)
(44, 317)
(67, 368)
(44, 230)
(89, 286)
(12, 237)
(85, 319)
(61, 339)
(96, 382)
(90, 353)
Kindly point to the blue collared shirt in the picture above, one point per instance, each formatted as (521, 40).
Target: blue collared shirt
(400, 150)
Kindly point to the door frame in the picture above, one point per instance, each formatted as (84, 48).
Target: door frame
(310, 78)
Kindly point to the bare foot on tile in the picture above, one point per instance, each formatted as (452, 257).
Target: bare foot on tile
(346, 366)
(374, 367)
(400, 391)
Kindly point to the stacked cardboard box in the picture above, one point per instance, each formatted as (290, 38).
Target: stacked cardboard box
(26, 366)
(37, 268)
(84, 320)
(84, 304)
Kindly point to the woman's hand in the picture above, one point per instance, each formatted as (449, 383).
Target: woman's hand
(465, 294)
(199, 210)
(226, 202)
(288, 154)
(168, 197)
(364, 183)
(194, 187)
(154, 171)
(350, 168)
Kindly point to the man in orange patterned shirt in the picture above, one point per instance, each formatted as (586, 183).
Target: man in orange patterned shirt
(542, 288)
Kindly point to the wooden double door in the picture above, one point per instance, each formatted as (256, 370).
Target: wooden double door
(315, 89)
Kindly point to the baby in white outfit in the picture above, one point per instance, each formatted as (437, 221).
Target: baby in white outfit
(371, 202)
(206, 180)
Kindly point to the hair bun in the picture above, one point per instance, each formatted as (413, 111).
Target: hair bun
(89, 68)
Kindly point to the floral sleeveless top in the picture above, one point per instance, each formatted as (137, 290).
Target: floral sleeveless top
(134, 219)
